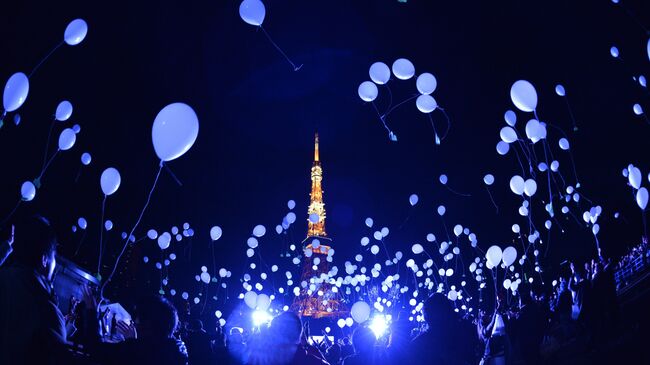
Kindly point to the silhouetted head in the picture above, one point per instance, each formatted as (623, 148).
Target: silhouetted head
(35, 245)
(286, 328)
(437, 310)
(363, 340)
(156, 317)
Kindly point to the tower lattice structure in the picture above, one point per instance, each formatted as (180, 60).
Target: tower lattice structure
(318, 296)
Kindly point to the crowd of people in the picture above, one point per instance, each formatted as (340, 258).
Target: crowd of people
(574, 323)
(632, 264)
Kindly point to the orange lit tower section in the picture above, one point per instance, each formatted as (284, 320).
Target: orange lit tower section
(318, 295)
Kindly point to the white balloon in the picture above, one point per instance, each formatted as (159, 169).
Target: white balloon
(510, 118)
(75, 32)
(443, 179)
(164, 240)
(517, 184)
(516, 228)
(314, 218)
(509, 255)
(535, 131)
(152, 234)
(524, 96)
(488, 179)
(564, 143)
(174, 131)
(291, 204)
(63, 111)
(634, 177)
(250, 298)
(28, 191)
(369, 222)
(614, 52)
(67, 138)
(426, 103)
(426, 83)
(413, 199)
(555, 165)
(379, 73)
(360, 311)
(368, 91)
(259, 230)
(595, 229)
(86, 158)
(417, 248)
(403, 69)
(81, 222)
(15, 92)
(530, 187)
(374, 249)
(108, 225)
(642, 198)
(494, 255)
(638, 110)
(252, 12)
(441, 210)
(502, 148)
(263, 302)
(508, 134)
(507, 283)
(110, 181)
(559, 89)
(215, 233)
(205, 277)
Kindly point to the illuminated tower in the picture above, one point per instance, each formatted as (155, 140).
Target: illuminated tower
(318, 296)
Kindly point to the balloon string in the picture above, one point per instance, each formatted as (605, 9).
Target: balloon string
(295, 68)
(448, 122)
(47, 165)
(575, 173)
(390, 95)
(575, 126)
(44, 59)
(128, 237)
(435, 133)
(523, 171)
(645, 231)
(492, 199)
(101, 237)
(47, 143)
(408, 216)
(636, 20)
(398, 105)
(390, 133)
(457, 193)
(169, 170)
(13, 211)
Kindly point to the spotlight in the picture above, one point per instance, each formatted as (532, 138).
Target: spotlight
(261, 318)
(379, 325)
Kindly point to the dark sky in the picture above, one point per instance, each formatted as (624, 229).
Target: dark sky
(257, 116)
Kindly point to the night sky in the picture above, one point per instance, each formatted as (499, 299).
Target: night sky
(258, 118)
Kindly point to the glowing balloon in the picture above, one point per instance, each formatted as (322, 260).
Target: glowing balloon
(110, 181)
(67, 138)
(488, 179)
(263, 302)
(164, 240)
(314, 218)
(86, 158)
(517, 184)
(215, 233)
(509, 255)
(559, 89)
(642, 198)
(174, 131)
(564, 143)
(634, 177)
(259, 230)
(360, 311)
(530, 187)
(28, 191)
(108, 225)
(63, 111)
(535, 130)
(374, 249)
(413, 199)
(379, 73)
(595, 229)
(291, 204)
(614, 52)
(494, 255)
(152, 234)
(426, 83)
(638, 110)
(524, 96)
(252, 12)
(508, 134)
(502, 148)
(403, 69)
(368, 91)
(75, 32)
(426, 103)
(81, 222)
(250, 298)
(417, 248)
(15, 93)
(443, 179)
(510, 118)
(369, 222)
(441, 210)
